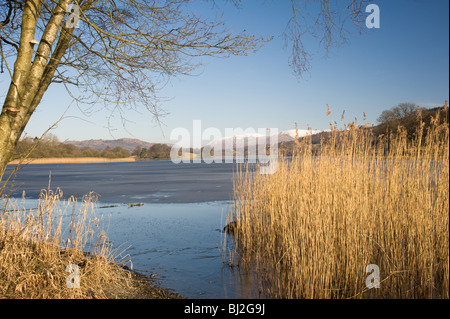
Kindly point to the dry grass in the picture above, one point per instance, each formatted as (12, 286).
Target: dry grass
(310, 229)
(37, 245)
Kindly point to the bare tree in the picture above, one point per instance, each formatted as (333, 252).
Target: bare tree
(324, 20)
(397, 112)
(120, 50)
(117, 53)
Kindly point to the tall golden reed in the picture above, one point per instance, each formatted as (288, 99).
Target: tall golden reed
(310, 229)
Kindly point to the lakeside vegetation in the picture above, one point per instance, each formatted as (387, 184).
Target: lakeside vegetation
(38, 245)
(310, 229)
(49, 147)
(155, 152)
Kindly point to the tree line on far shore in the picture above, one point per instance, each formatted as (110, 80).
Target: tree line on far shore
(50, 146)
(156, 151)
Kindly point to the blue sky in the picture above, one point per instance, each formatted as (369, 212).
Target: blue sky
(405, 60)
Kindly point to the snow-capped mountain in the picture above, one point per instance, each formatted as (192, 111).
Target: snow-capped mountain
(289, 135)
(238, 141)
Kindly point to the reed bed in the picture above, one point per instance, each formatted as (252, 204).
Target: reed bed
(310, 229)
(37, 246)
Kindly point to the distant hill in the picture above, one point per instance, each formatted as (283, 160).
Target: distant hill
(129, 144)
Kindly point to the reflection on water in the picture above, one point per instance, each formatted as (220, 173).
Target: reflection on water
(178, 242)
(182, 243)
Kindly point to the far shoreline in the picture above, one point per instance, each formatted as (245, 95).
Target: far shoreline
(72, 160)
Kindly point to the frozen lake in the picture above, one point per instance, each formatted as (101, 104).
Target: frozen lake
(146, 181)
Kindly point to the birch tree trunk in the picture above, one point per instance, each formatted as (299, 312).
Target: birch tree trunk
(31, 77)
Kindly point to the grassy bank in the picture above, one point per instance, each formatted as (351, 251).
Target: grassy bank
(310, 229)
(44, 250)
(70, 160)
